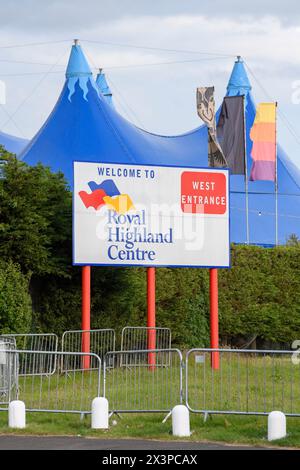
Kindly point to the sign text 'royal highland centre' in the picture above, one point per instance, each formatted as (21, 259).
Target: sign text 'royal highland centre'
(140, 215)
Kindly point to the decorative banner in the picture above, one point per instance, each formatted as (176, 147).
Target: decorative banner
(231, 133)
(263, 135)
(143, 215)
(206, 111)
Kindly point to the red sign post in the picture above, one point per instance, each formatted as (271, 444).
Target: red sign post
(214, 317)
(86, 314)
(151, 321)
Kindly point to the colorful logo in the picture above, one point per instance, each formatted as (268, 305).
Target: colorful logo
(106, 194)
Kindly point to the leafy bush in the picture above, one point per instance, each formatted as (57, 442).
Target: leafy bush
(182, 305)
(15, 301)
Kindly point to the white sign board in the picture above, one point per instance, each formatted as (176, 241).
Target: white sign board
(142, 215)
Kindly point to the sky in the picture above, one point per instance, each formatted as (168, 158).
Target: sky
(155, 54)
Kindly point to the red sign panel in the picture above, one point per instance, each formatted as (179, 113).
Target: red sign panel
(203, 193)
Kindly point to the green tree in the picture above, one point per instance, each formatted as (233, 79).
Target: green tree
(35, 218)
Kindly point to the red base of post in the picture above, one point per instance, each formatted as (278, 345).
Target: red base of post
(86, 314)
(151, 339)
(214, 320)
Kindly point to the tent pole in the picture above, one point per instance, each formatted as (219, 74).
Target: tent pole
(86, 314)
(151, 335)
(246, 175)
(214, 320)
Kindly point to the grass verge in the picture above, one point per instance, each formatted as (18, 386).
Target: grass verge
(250, 430)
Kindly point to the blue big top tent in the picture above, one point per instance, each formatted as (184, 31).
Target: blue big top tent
(84, 126)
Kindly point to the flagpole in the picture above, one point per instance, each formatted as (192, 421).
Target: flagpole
(246, 175)
(276, 181)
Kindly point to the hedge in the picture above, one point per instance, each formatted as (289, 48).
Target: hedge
(258, 296)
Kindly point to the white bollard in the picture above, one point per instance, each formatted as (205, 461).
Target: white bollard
(17, 414)
(181, 421)
(99, 413)
(276, 425)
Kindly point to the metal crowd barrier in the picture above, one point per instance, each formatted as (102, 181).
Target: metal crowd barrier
(247, 382)
(136, 338)
(150, 388)
(34, 364)
(60, 392)
(150, 380)
(98, 342)
(8, 370)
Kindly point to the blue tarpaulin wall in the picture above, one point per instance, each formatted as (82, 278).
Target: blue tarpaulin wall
(12, 143)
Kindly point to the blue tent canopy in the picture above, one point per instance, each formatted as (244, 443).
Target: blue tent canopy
(84, 126)
(12, 143)
(104, 87)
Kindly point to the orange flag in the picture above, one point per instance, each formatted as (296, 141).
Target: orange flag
(263, 135)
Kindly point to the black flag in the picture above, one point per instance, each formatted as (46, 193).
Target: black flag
(231, 133)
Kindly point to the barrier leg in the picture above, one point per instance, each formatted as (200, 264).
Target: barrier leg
(100, 413)
(181, 421)
(17, 414)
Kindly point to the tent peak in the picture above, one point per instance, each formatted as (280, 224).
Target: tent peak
(104, 87)
(77, 65)
(239, 83)
(78, 73)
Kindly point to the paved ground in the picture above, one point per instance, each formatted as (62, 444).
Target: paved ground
(81, 443)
